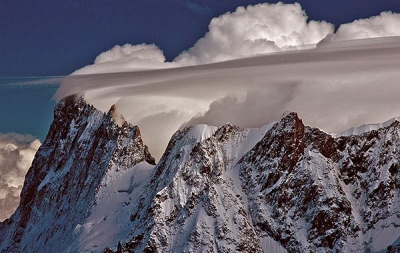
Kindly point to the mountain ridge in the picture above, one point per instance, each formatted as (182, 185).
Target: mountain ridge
(285, 187)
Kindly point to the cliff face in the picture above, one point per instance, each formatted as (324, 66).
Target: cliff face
(284, 187)
(83, 147)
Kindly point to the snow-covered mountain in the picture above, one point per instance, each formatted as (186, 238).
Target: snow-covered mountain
(285, 187)
(83, 151)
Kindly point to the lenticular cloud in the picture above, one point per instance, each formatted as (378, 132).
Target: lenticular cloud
(259, 29)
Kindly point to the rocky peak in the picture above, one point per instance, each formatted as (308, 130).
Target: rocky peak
(284, 140)
(82, 148)
(192, 195)
(342, 187)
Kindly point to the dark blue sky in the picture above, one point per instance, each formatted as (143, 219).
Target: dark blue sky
(48, 37)
(56, 37)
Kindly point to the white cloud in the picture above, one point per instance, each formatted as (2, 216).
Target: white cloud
(258, 29)
(126, 58)
(255, 108)
(384, 25)
(16, 155)
(333, 86)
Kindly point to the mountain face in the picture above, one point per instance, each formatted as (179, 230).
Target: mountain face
(83, 147)
(285, 187)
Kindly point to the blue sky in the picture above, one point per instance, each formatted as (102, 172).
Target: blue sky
(47, 37)
(26, 109)
(52, 38)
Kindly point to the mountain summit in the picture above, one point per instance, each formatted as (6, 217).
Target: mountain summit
(83, 150)
(285, 187)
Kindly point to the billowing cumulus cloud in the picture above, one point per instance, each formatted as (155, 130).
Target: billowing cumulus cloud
(252, 30)
(384, 25)
(16, 155)
(258, 29)
(126, 58)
